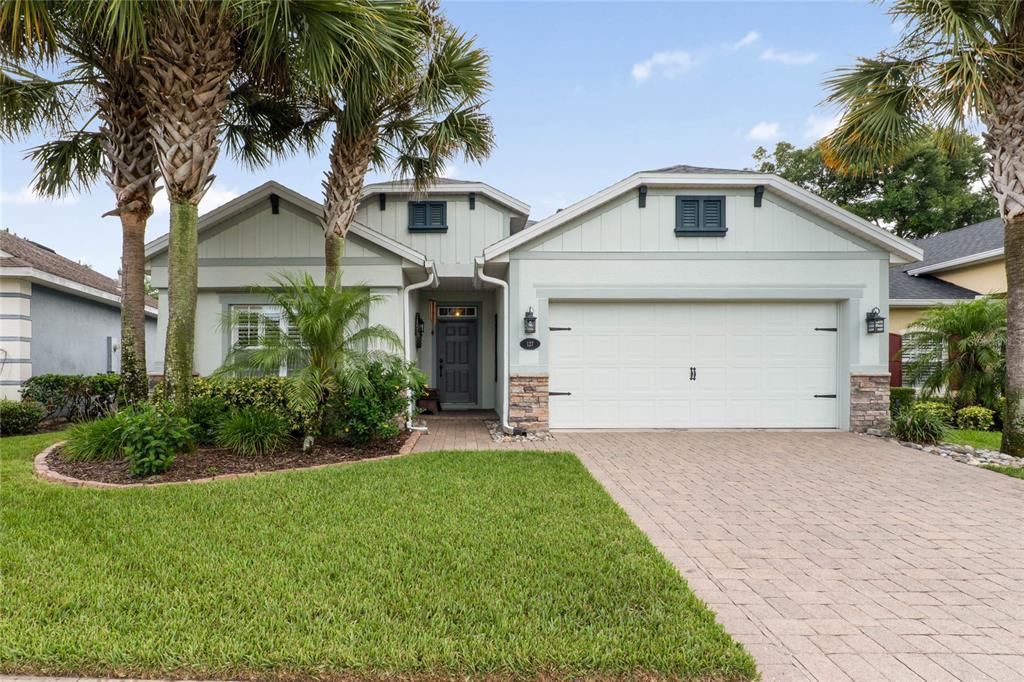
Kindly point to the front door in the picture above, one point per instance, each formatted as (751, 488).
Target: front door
(456, 361)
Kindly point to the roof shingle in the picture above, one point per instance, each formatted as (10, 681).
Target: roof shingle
(966, 241)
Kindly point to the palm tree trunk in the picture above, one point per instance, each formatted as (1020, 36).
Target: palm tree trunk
(183, 275)
(349, 160)
(134, 380)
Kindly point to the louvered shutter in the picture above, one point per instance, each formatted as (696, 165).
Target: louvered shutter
(688, 214)
(436, 214)
(712, 215)
(417, 214)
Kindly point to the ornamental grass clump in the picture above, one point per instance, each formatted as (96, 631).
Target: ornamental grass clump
(253, 432)
(94, 441)
(918, 426)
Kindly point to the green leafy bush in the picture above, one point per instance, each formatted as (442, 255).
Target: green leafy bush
(253, 431)
(943, 411)
(975, 417)
(266, 393)
(918, 426)
(152, 438)
(100, 439)
(74, 396)
(204, 413)
(375, 413)
(20, 416)
(899, 398)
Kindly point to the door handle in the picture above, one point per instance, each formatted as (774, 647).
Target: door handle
(441, 370)
(693, 374)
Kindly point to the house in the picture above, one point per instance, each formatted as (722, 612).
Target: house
(57, 316)
(683, 297)
(957, 265)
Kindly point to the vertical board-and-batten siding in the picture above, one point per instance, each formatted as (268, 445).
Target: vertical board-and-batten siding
(622, 226)
(469, 231)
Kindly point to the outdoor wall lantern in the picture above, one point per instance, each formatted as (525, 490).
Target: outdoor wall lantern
(876, 323)
(530, 322)
(419, 331)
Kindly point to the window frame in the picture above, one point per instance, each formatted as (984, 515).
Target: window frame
(429, 227)
(265, 312)
(700, 230)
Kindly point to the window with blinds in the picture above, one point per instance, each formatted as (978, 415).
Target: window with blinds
(254, 324)
(700, 216)
(428, 216)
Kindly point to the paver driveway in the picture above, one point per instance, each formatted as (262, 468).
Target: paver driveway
(832, 556)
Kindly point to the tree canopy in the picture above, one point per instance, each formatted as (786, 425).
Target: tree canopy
(932, 188)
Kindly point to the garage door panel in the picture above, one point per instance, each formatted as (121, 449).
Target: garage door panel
(757, 365)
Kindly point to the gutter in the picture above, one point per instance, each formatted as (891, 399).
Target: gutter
(431, 280)
(478, 273)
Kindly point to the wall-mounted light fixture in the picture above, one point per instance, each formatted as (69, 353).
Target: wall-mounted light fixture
(758, 195)
(472, 201)
(419, 331)
(642, 196)
(530, 322)
(875, 321)
(275, 204)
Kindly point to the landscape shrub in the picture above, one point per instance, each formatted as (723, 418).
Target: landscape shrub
(265, 393)
(943, 411)
(73, 396)
(253, 431)
(375, 413)
(975, 417)
(99, 439)
(204, 413)
(918, 426)
(152, 438)
(899, 398)
(19, 417)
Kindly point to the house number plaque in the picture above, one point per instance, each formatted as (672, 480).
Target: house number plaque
(529, 344)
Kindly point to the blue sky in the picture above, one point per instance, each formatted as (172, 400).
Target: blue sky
(584, 94)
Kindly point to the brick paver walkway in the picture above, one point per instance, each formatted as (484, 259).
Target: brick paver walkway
(831, 556)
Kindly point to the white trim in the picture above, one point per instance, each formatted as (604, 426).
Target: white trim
(924, 302)
(980, 257)
(900, 248)
(254, 196)
(479, 276)
(410, 351)
(406, 187)
(66, 285)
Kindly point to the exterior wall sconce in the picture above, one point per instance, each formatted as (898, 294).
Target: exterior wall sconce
(530, 322)
(419, 331)
(472, 201)
(382, 200)
(758, 195)
(642, 196)
(875, 321)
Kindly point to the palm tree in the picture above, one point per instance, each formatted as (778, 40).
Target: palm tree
(958, 349)
(330, 348)
(413, 116)
(121, 148)
(956, 63)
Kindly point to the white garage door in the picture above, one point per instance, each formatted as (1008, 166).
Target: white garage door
(693, 365)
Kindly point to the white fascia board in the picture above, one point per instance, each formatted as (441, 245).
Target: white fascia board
(900, 248)
(258, 194)
(923, 302)
(953, 263)
(405, 187)
(66, 285)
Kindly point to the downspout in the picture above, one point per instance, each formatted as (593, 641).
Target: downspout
(479, 272)
(409, 342)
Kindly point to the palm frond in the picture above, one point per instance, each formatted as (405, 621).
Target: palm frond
(28, 31)
(67, 165)
(30, 103)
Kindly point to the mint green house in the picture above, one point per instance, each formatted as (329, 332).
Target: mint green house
(678, 298)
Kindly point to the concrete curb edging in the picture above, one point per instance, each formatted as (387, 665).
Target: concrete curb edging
(43, 470)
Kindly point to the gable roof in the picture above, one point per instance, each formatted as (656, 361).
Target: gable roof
(258, 194)
(693, 176)
(702, 170)
(976, 243)
(450, 186)
(25, 258)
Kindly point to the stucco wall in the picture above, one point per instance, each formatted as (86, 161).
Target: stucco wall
(985, 278)
(901, 318)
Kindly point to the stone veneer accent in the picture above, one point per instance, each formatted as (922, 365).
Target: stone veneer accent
(869, 403)
(528, 402)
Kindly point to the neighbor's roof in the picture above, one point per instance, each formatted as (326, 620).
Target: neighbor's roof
(699, 176)
(972, 244)
(20, 254)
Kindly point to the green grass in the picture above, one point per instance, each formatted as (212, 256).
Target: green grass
(481, 564)
(986, 440)
(1016, 472)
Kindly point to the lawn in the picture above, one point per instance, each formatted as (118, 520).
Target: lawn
(445, 564)
(985, 440)
(1016, 472)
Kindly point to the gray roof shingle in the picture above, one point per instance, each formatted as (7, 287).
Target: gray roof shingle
(967, 241)
(683, 168)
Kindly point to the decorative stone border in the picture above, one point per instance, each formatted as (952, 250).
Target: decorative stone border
(964, 454)
(44, 471)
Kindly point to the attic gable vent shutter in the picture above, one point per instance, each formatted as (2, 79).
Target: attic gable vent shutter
(688, 217)
(712, 214)
(419, 215)
(436, 214)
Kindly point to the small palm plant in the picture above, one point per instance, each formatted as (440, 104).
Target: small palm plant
(330, 348)
(960, 346)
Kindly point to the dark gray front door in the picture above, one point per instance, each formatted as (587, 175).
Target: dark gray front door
(456, 361)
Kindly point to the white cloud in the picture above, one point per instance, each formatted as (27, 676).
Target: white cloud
(789, 58)
(666, 64)
(764, 131)
(820, 126)
(26, 196)
(746, 41)
(214, 197)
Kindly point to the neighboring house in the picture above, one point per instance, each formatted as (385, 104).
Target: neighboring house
(681, 298)
(957, 265)
(57, 315)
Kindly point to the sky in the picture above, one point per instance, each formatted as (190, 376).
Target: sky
(584, 94)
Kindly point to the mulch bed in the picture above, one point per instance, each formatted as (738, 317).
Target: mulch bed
(209, 461)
